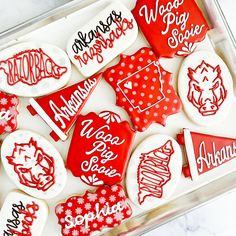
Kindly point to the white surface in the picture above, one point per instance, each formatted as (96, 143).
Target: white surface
(215, 219)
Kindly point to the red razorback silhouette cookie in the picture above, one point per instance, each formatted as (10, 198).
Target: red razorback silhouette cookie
(83, 215)
(8, 112)
(171, 27)
(104, 146)
(143, 88)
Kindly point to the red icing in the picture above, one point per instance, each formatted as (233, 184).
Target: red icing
(171, 26)
(143, 88)
(30, 67)
(34, 167)
(107, 207)
(154, 172)
(104, 147)
(206, 88)
(8, 112)
(64, 106)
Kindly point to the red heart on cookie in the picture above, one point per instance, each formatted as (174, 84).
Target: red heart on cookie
(100, 148)
(172, 27)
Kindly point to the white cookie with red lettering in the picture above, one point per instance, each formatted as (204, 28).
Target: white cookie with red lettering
(154, 171)
(22, 215)
(33, 164)
(205, 88)
(103, 38)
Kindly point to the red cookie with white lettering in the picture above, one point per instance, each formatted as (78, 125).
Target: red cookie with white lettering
(8, 112)
(171, 27)
(143, 88)
(154, 171)
(206, 153)
(104, 147)
(61, 109)
(83, 215)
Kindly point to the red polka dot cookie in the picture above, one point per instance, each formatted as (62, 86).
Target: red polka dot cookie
(143, 88)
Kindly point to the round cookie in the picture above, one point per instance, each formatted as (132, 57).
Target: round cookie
(205, 88)
(33, 164)
(154, 170)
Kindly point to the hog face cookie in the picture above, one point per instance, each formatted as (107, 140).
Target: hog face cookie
(143, 88)
(103, 38)
(33, 164)
(205, 88)
(171, 27)
(83, 215)
(104, 146)
(8, 112)
(33, 69)
(154, 170)
(22, 215)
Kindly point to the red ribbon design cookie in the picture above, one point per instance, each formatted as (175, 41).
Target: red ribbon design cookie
(8, 112)
(83, 215)
(104, 146)
(143, 88)
(172, 27)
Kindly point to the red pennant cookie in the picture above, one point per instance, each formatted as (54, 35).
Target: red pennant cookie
(104, 146)
(8, 112)
(171, 27)
(105, 208)
(143, 88)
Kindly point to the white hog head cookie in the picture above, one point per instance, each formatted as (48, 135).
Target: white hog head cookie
(205, 88)
(154, 170)
(33, 164)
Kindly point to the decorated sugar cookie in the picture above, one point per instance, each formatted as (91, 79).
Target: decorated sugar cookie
(154, 170)
(22, 215)
(8, 112)
(171, 27)
(33, 69)
(205, 88)
(83, 215)
(61, 109)
(205, 152)
(104, 147)
(143, 88)
(33, 164)
(103, 38)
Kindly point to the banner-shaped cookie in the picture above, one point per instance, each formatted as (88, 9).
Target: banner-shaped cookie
(103, 38)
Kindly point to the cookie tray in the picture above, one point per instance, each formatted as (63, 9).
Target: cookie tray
(55, 27)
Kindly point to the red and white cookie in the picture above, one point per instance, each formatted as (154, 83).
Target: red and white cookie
(8, 112)
(154, 171)
(104, 147)
(83, 215)
(143, 88)
(33, 69)
(33, 164)
(103, 38)
(61, 109)
(171, 27)
(205, 88)
(206, 152)
(22, 215)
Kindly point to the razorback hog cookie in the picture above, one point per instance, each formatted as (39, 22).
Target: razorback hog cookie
(205, 88)
(154, 171)
(33, 164)
(22, 215)
(83, 215)
(61, 109)
(33, 69)
(8, 112)
(172, 27)
(103, 38)
(104, 147)
(205, 153)
(143, 88)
